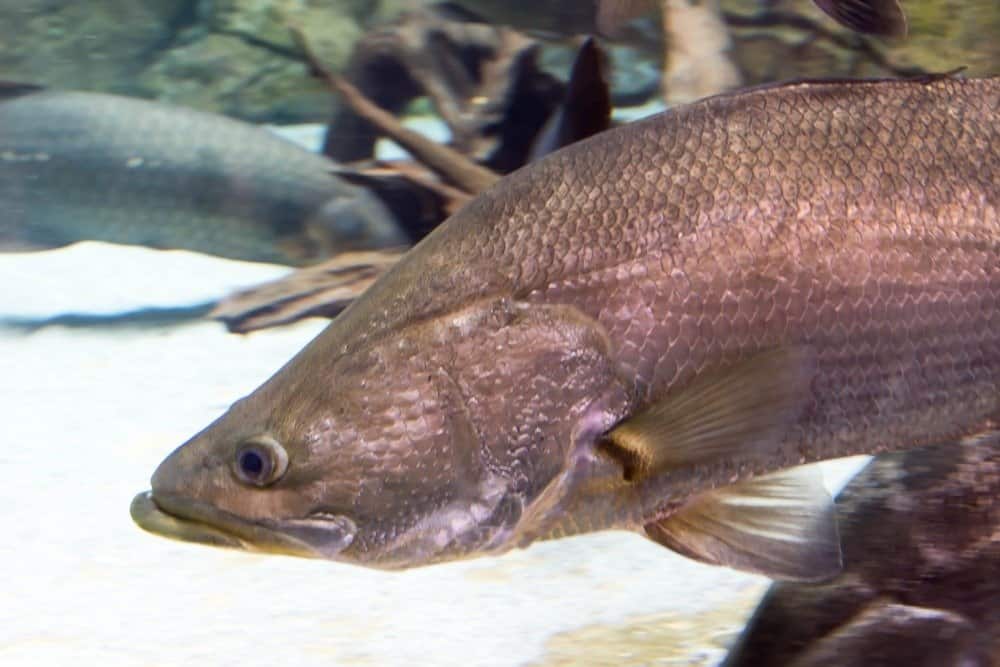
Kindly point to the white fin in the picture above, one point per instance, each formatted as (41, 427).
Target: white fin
(782, 525)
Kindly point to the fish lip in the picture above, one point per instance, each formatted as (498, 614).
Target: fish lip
(180, 518)
(149, 514)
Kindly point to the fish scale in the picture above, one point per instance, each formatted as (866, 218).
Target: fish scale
(692, 259)
(649, 330)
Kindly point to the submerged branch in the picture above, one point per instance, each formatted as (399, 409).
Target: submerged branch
(316, 291)
(448, 163)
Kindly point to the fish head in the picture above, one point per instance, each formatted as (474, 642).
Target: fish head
(424, 444)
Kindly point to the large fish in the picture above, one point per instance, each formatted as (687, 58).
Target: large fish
(87, 166)
(649, 330)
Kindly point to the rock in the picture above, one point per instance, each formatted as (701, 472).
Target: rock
(100, 45)
(235, 56)
(228, 56)
(241, 61)
(225, 74)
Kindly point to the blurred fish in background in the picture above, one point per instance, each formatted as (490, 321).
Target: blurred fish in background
(80, 166)
(921, 537)
(873, 17)
(697, 51)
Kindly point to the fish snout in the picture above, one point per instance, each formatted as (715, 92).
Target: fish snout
(165, 478)
(192, 469)
(173, 508)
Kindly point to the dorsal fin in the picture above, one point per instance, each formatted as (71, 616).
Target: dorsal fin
(586, 108)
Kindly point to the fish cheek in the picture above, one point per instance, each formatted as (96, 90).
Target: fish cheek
(457, 425)
(539, 402)
(396, 454)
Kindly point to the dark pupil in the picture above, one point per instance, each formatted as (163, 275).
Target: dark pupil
(251, 463)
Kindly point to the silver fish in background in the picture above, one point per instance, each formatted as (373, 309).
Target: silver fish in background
(921, 535)
(649, 330)
(80, 166)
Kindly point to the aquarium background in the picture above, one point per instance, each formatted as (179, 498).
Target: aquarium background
(109, 363)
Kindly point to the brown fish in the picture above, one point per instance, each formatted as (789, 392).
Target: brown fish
(639, 332)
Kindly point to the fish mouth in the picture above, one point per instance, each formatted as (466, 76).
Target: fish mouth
(179, 518)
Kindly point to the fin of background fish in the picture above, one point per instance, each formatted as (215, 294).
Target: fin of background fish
(586, 108)
(884, 18)
(781, 525)
(12, 89)
(718, 416)
(612, 15)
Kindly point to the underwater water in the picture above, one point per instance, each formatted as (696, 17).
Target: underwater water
(110, 359)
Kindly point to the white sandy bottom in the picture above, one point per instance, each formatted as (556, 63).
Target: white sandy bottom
(88, 414)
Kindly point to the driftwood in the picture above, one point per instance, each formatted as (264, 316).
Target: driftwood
(445, 161)
(316, 291)
(474, 74)
(515, 120)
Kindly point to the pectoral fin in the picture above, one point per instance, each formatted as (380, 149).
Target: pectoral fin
(720, 417)
(781, 525)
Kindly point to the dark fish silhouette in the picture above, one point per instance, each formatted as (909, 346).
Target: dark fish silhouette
(873, 17)
(80, 166)
(585, 109)
(921, 534)
(648, 330)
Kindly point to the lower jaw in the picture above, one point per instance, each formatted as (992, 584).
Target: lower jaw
(159, 516)
(149, 516)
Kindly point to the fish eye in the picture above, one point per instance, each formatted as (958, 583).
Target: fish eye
(260, 462)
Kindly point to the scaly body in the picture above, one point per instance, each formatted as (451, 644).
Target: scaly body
(583, 343)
